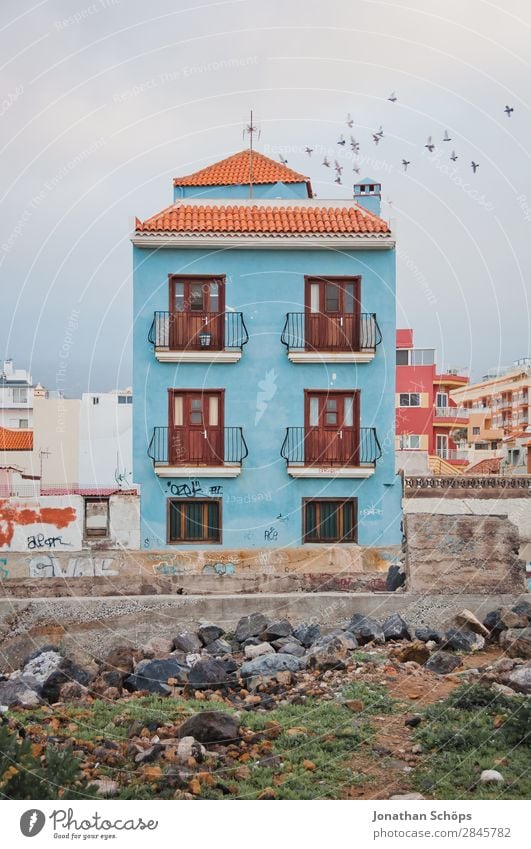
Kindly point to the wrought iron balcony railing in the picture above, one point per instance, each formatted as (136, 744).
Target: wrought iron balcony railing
(225, 445)
(343, 332)
(300, 447)
(203, 331)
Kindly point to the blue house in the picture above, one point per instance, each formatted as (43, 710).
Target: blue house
(264, 365)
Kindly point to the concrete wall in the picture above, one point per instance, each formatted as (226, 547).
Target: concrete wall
(458, 554)
(105, 439)
(56, 432)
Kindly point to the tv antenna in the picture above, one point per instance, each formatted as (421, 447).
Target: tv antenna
(251, 129)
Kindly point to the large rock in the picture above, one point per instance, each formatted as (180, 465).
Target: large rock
(210, 726)
(307, 633)
(51, 670)
(219, 647)
(208, 632)
(443, 662)
(250, 626)
(292, 648)
(188, 642)
(121, 659)
(153, 675)
(331, 652)
(416, 651)
(460, 640)
(209, 674)
(276, 630)
(504, 618)
(158, 647)
(42, 664)
(428, 635)
(365, 629)
(270, 664)
(519, 679)
(257, 651)
(395, 628)
(517, 642)
(67, 673)
(524, 608)
(20, 691)
(465, 619)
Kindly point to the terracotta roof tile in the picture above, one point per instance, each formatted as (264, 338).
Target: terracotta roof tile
(263, 219)
(16, 440)
(236, 170)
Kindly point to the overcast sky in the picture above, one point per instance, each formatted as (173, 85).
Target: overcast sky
(103, 102)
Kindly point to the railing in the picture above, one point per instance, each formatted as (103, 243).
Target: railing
(231, 449)
(184, 331)
(451, 454)
(298, 448)
(452, 413)
(519, 483)
(306, 331)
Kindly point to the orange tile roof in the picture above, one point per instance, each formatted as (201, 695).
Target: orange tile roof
(16, 440)
(236, 170)
(249, 220)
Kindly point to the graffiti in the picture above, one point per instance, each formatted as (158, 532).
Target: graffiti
(215, 490)
(192, 488)
(146, 542)
(250, 498)
(40, 541)
(219, 569)
(48, 566)
(371, 511)
(271, 534)
(4, 573)
(12, 514)
(167, 569)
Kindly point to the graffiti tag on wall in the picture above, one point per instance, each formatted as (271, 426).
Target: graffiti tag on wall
(48, 566)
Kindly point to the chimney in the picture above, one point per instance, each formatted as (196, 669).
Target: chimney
(368, 193)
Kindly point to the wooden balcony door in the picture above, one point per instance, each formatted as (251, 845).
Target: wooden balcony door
(332, 428)
(332, 310)
(196, 428)
(197, 318)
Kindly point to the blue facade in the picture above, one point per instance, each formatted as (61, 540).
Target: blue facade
(264, 391)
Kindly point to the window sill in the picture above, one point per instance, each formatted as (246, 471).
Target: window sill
(164, 355)
(331, 471)
(225, 471)
(331, 356)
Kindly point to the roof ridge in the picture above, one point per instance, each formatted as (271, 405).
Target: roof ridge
(236, 170)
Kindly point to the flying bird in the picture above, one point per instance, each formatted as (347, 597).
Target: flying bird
(283, 161)
(338, 167)
(356, 168)
(354, 144)
(342, 140)
(326, 163)
(349, 122)
(376, 138)
(509, 110)
(380, 132)
(309, 150)
(338, 179)
(475, 166)
(429, 144)
(392, 97)
(453, 156)
(405, 163)
(446, 136)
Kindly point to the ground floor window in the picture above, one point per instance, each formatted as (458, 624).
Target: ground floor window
(194, 521)
(96, 517)
(330, 520)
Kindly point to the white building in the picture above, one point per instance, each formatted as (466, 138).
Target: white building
(16, 397)
(105, 439)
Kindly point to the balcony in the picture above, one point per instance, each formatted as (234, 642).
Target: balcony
(451, 416)
(201, 453)
(452, 455)
(335, 338)
(330, 455)
(202, 337)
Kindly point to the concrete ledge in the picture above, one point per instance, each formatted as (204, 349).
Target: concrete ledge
(331, 471)
(166, 356)
(93, 625)
(331, 357)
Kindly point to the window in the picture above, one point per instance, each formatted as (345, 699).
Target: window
(402, 357)
(330, 520)
(20, 395)
(441, 399)
(96, 517)
(410, 441)
(194, 521)
(422, 357)
(23, 422)
(125, 399)
(476, 431)
(409, 399)
(95, 400)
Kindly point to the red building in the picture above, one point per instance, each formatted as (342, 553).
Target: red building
(426, 416)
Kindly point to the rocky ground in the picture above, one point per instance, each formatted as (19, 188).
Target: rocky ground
(370, 710)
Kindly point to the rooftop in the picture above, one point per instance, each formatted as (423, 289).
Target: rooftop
(16, 440)
(242, 169)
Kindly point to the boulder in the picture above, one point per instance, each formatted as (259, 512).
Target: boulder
(42, 664)
(20, 691)
(251, 652)
(292, 648)
(493, 623)
(210, 726)
(429, 635)
(51, 670)
(153, 675)
(218, 647)
(466, 641)
(395, 579)
(416, 651)
(67, 672)
(269, 664)
(307, 633)
(189, 747)
(490, 776)
(517, 642)
(158, 646)
(443, 662)
(523, 608)
(465, 620)
(395, 628)
(250, 626)
(209, 674)
(519, 679)
(188, 642)
(208, 632)
(121, 659)
(365, 629)
(330, 652)
(276, 630)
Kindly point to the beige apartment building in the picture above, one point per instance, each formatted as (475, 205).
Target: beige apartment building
(499, 404)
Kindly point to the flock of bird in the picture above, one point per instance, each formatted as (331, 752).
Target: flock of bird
(377, 136)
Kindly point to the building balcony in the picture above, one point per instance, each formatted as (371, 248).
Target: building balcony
(452, 455)
(451, 379)
(206, 453)
(336, 338)
(330, 454)
(451, 416)
(202, 337)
